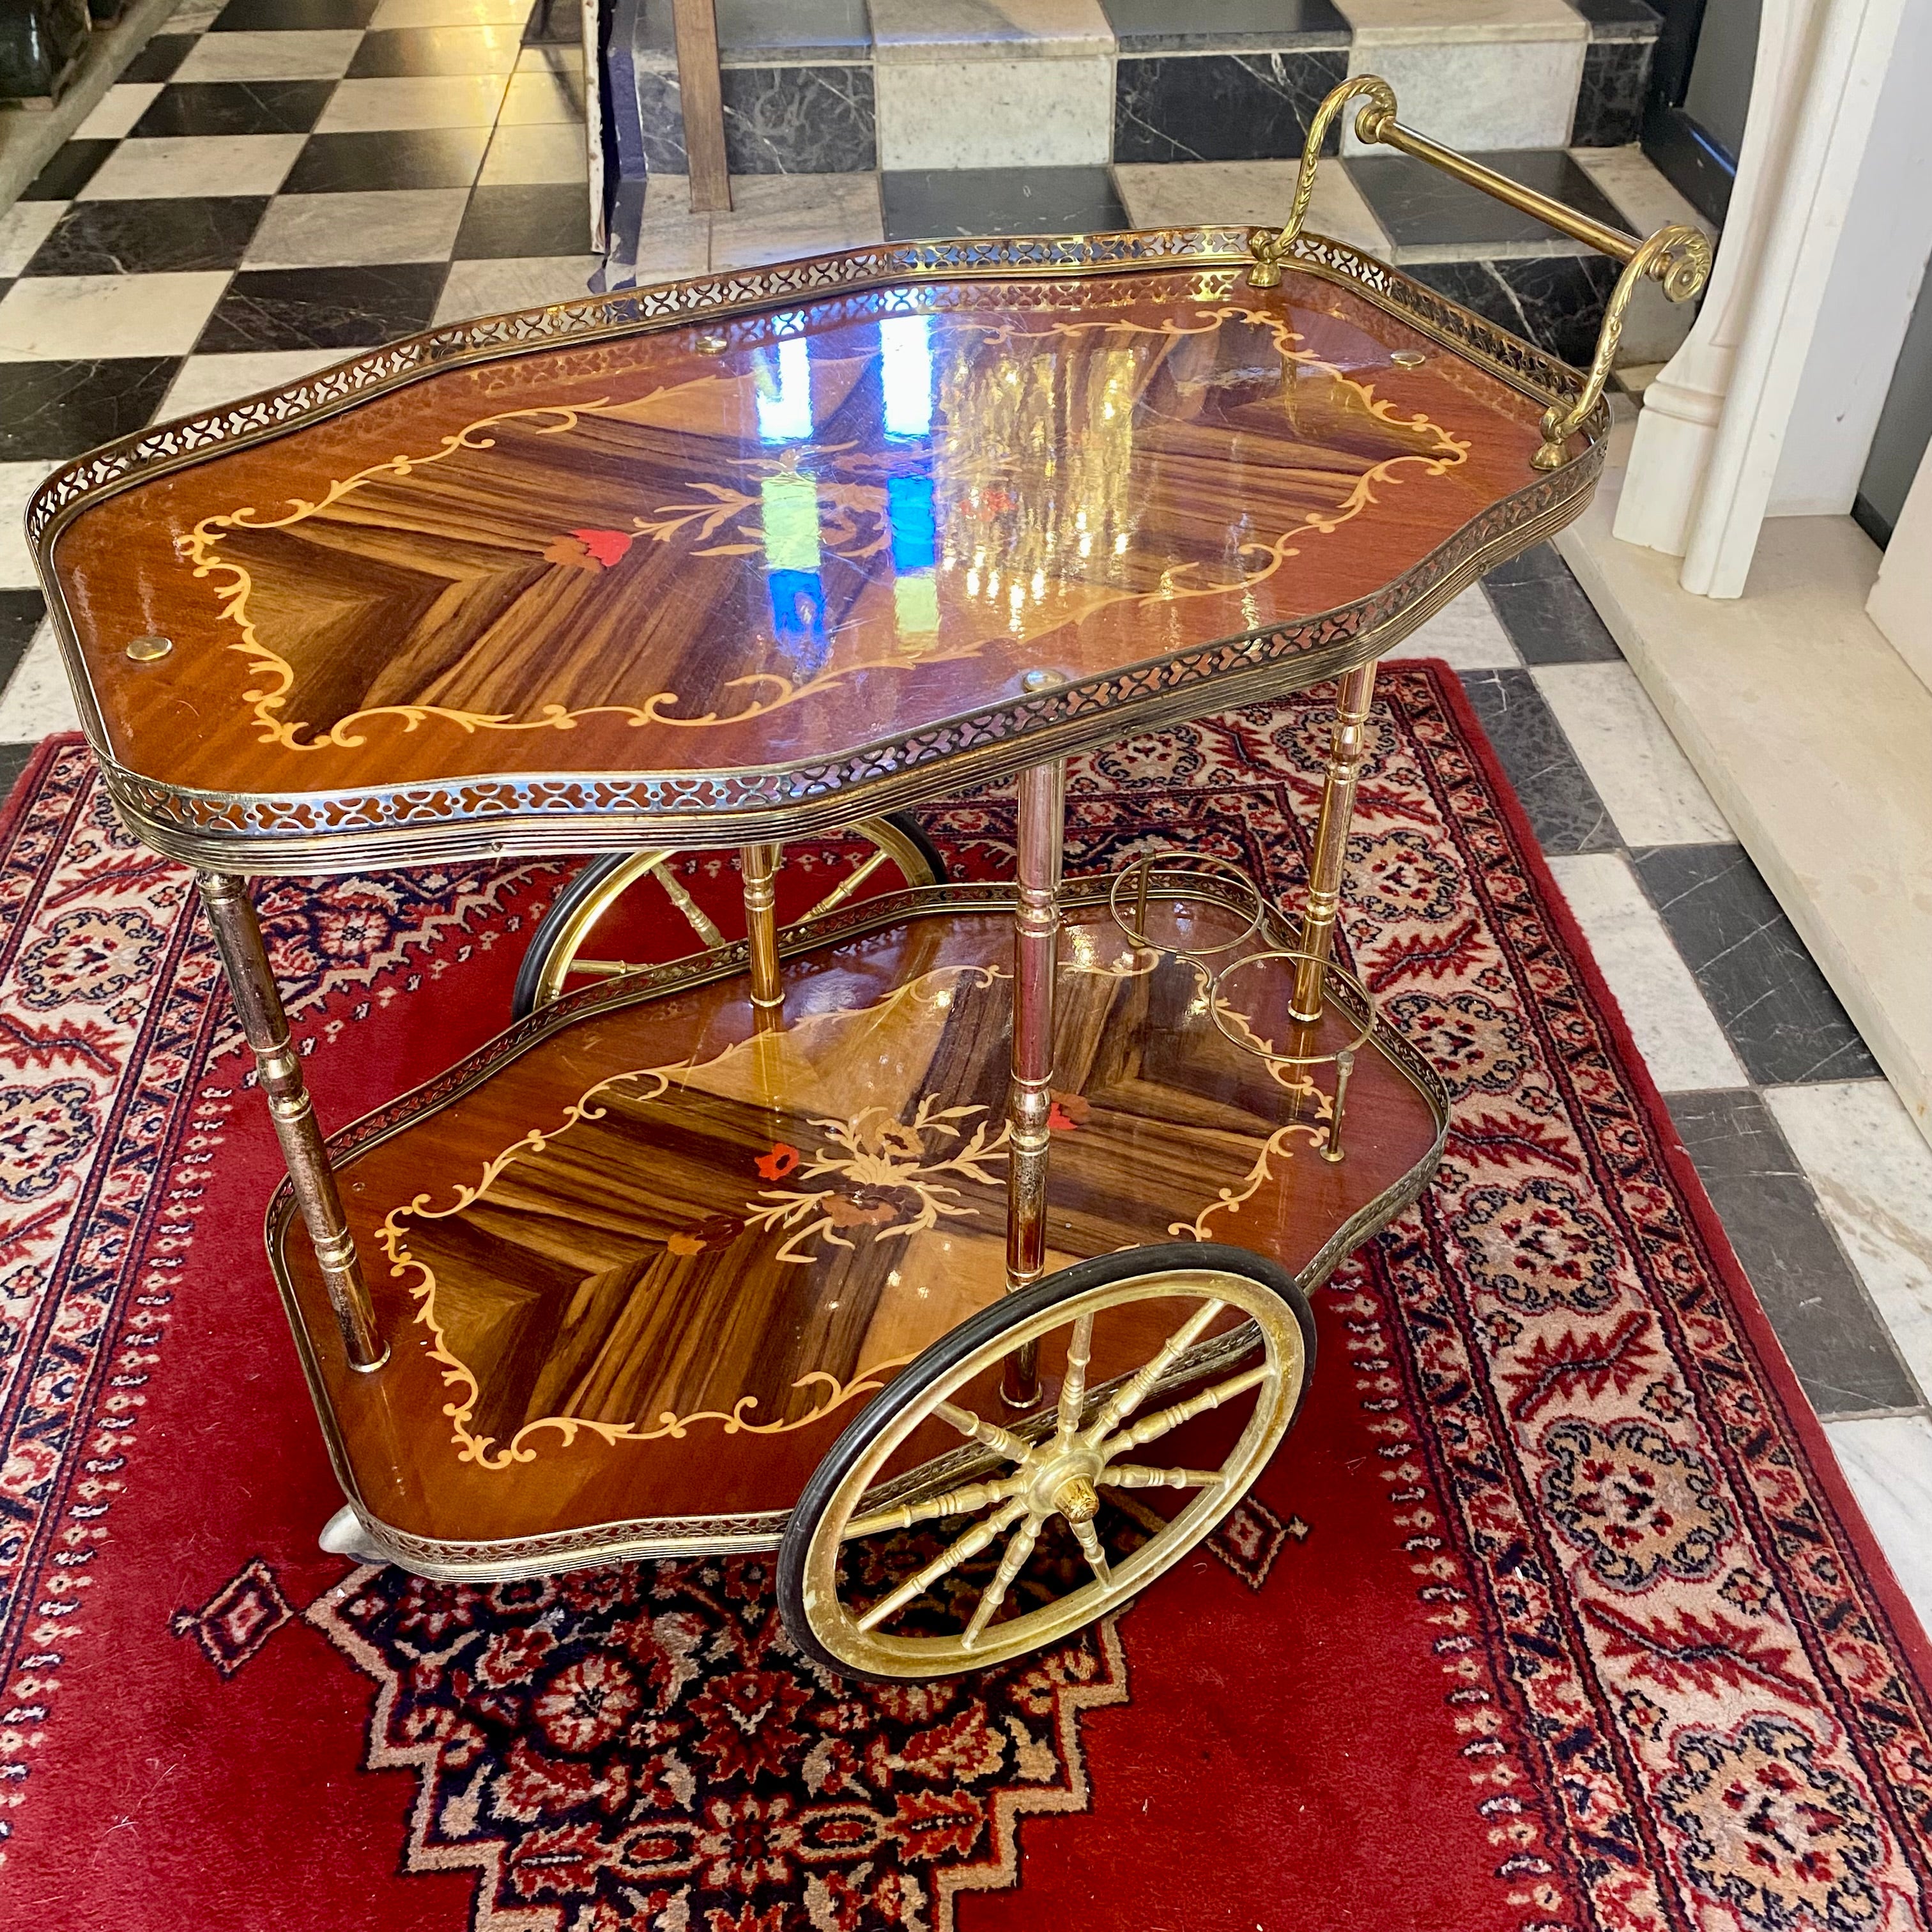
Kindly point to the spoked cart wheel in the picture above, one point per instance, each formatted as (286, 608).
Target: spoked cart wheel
(588, 935)
(907, 1558)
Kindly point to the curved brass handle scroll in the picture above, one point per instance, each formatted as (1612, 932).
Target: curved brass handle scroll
(1268, 250)
(1678, 258)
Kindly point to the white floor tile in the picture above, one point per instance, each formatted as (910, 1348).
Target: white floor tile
(1465, 633)
(1163, 194)
(338, 231)
(207, 381)
(1887, 1462)
(538, 95)
(201, 164)
(67, 318)
(319, 56)
(450, 13)
(1635, 764)
(38, 697)
(1873, 1171)
(999, 113)
(118, 110)
(926, 30)
(776, 217)
(541, 150)
(23, 227)
(18, 482)
(1676, 1031)
(429, 101)
(523, 281)
(194, 16)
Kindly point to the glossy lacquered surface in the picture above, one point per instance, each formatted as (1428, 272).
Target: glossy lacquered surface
(765, 540)
(658, 1295)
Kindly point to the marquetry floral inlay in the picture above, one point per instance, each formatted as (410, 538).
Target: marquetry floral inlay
(983, 461)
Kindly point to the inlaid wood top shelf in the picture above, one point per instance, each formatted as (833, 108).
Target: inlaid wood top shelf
(755, 555)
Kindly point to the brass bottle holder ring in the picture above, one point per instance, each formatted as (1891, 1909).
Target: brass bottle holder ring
(1343, 1057)
(1189, 869)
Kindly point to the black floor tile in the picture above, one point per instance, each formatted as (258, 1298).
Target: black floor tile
(235, 107)
(934, 202)
(392, 52)
(1420, 206)
(20, 614)
(1158, 26)
(52, 410)
(1836, 1342)
(13, 762)
(1615, 19)
(161, 236)
(541, 218)
(160, 58)
(404, 157)
(1555, 301)
(1221, 106)
(71, 169)
(323, 308)
(1564, 811)
(1776, 1009)
(1539, 564)
(556, 23)
(1550, 621)
(292, 15)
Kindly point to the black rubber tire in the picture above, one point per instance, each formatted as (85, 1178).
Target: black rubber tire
(530, 974)
(954, 1347)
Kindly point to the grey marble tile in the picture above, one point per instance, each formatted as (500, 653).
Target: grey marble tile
(139, 237)
(1220, 106)
(18, 482)
(1674, 1029)
(266, 309)
(936, 201)
(161, 57)
(1538, 564)
(777, 120)
(1619, 19)
(1873, 1171)
(799, 120)
(1464, 633)
(13, 762)
(1420, 208)
(1610, 103)
(1555, 301)
(1564, 811)
(49, 408)
(1552, 622)
(1775, 1007)
(21, 613)
(38, 698)
(920, 32)
(1164, 26)
(1824, 1319)
(1030, 113)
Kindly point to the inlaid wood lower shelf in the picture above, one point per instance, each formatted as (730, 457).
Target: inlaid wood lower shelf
(640, 1262)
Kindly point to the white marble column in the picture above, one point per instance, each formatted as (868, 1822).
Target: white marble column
(1709, 440)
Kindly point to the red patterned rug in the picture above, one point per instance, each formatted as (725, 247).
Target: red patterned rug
(1552, 1613)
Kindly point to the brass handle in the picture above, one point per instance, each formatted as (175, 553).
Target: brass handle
(1676, 258)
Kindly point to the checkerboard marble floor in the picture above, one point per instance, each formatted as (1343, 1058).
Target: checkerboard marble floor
(274, 183)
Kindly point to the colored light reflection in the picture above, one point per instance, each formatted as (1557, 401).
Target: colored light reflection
(784, 392)
(905, 374)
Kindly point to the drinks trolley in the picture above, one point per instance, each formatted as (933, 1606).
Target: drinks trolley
(951, 1238)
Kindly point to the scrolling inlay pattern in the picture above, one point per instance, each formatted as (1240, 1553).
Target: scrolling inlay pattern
(947, 502)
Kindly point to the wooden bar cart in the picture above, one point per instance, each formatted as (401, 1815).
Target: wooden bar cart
(952, 1238)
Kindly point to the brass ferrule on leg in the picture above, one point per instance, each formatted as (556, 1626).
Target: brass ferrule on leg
(231, 912)
(1348, 745)
(758, 864)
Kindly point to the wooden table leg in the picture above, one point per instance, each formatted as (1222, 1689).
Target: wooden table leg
(1348, 744)
(264, 1026)
(694, 23)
